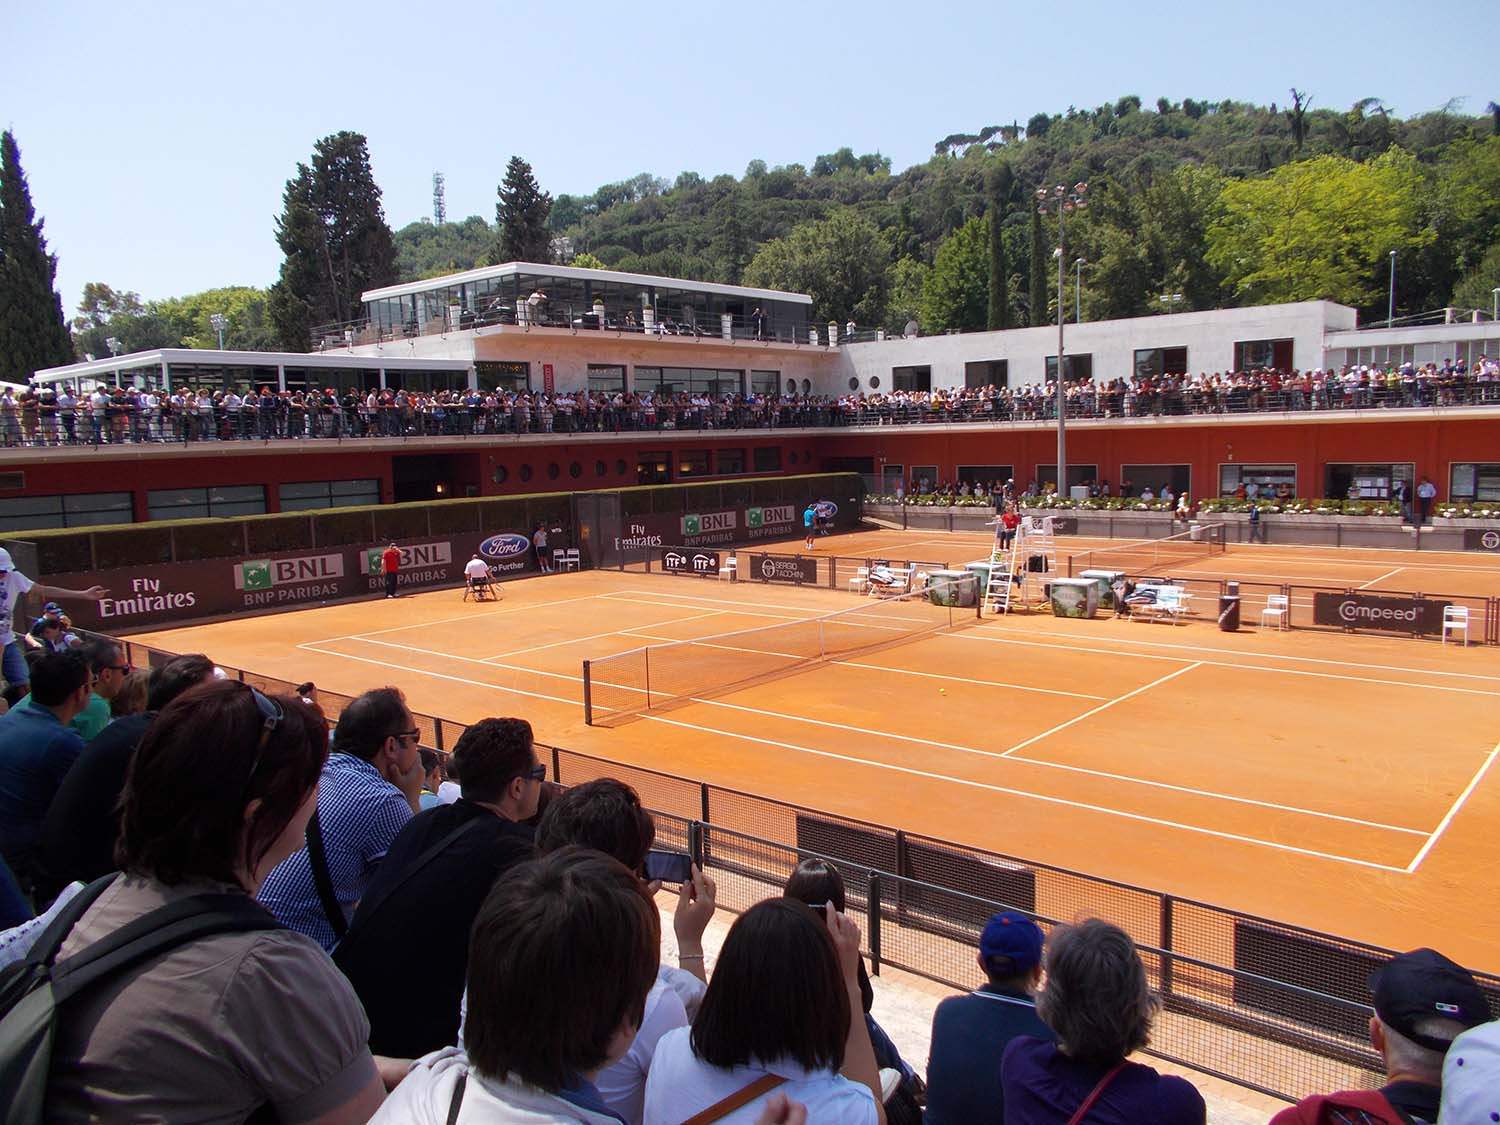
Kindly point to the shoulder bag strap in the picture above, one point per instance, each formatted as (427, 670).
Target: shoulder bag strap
(743, 1096)
(317, 859)
(373, 903)
(458, 1098)
(1088, 1102)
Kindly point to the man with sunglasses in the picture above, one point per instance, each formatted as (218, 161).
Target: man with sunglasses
(433, 881)
(13, 586)
(370, 787)
(107, 662)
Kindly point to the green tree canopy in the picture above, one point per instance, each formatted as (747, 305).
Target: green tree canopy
(1321, 228)
(957, 292)
(33, 334)
(521, 217)
(839, 261)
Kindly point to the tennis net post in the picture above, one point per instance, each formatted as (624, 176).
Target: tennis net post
(588, 703)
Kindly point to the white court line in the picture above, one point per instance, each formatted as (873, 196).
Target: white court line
(448, 620)
(1027, 795)
(596, 636)
(1453, 810)
(1256, 656)
(891, 766)
(970, 636)
(964, 679)
(1382, 578)
(1102, 707)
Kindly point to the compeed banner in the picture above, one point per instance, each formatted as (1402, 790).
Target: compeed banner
(1378, 612)
(784, 568)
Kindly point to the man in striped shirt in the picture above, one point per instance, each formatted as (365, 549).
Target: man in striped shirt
(369, 789)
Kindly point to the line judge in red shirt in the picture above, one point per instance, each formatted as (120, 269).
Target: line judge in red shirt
(390, 562)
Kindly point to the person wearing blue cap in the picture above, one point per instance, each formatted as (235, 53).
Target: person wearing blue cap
(969, 1033)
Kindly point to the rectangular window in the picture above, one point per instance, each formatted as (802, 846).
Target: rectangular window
(88, 509)
(729, 461)
(688, 380)
(202, 503)
(1160, 361)
(304, 495)
(1251, 355)
(985, 475)
(765, 383)
(911, 378)
(692, 463)
(1080, 369)
(924, 479)
(1179, 478)
(1474, 481)
(653, 468)
(987, 373)
(1078, 475)
(501, 375)
(1269, 480)
(609, 378)
(768, 459)
(1346, 481)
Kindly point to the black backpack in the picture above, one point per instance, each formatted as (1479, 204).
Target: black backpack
(33, 990)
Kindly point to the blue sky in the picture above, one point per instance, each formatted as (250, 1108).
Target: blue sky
(158, 137)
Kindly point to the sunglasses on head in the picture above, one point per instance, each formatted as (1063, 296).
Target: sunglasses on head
(271, 714)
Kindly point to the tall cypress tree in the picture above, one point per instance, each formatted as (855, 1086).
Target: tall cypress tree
(33, 333)
(521, 217)
(1038, 300)
(334, 236)
(1000, 181)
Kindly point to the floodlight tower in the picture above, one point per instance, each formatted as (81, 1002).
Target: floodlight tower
(1062, 200)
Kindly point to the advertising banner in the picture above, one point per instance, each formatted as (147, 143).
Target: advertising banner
(168, 593)
(705, 564)
(1481, 539)
(781, 568)
(1357, 610)
(724, 528)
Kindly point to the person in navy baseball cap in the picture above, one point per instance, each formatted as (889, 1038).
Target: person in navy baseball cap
(1413, 988)
(1015, 937)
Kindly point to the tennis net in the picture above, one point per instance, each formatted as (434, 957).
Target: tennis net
(1152, 556)
(652, 676)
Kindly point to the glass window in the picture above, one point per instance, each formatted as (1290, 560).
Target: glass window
(765, 382)
(692, 462)
(911, 378)
(653, 468)
(87, 509)
(1269, 480)
(301, 496)
(553, 470)
(503, 375)
(688, 380)
(984, 475)
(1252, 354)
(767, 459)
(1077, 475)
(1366, 482)
(575, 470)
(729, 461)
(608, 378)
(1160, 361)
(987, 373)
(1156, 477)
(1080, 369)
(525, 472)
(202, 503)
(1474, 481)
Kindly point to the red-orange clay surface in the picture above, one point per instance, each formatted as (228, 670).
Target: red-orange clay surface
(1341, 782)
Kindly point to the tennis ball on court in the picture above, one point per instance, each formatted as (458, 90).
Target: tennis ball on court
(942, 691)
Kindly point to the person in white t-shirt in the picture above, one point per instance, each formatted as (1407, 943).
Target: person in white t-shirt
(477, 578)
(13, 585)
(782, 1014)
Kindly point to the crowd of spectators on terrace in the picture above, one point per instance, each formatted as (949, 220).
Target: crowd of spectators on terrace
(114, 415)
(299, 865)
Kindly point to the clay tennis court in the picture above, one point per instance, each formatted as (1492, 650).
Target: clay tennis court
(1340, 782)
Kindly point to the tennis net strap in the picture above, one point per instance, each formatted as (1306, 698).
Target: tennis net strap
(646, 678)
(1150, 556)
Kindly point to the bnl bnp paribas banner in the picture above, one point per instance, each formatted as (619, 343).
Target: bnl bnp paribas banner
(705, 529)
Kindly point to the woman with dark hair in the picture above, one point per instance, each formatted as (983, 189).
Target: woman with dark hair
(234, 1024)
(781, 1015)
(1098, 1002)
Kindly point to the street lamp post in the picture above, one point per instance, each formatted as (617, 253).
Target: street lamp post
(1078, 264)
(1064, 201)
(1495, 293)
(1390, 308)
(219, 322)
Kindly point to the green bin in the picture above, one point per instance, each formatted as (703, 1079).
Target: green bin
(950, 588)
(1074, 597)
(1106, 580)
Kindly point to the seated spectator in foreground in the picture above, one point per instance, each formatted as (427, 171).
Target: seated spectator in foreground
(1423, 1002)
(83, 822)
(106, 659)
(368, 792)
(232, 1024)
(131, 698)
(37, 748)
(432, 882)
(607, 816)
(817, 882)
(563, 954)
(969, 1033)
(47, 635)
(782, 1012)
(1098, 1003)
(1471, 1078)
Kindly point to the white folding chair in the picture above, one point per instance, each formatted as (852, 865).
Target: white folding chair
(572, 559)
(1456, 620)
(558, 557)
(860, 580)
(1276, 611)
(727, 568)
